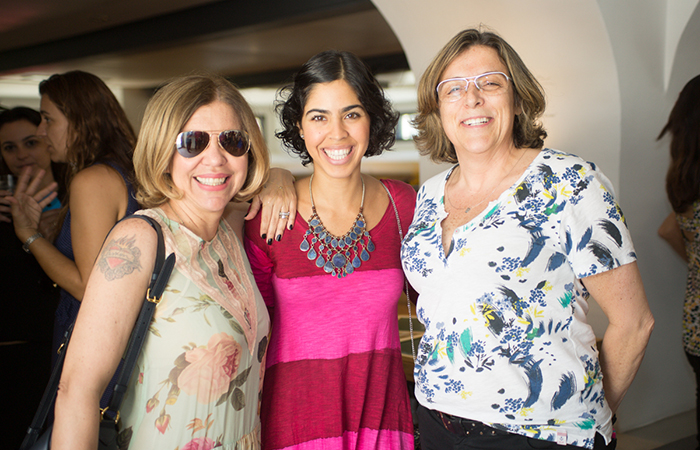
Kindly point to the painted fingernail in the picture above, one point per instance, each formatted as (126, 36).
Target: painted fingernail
(290, 227)
(264, 236)
(269, 242)
(278, 238)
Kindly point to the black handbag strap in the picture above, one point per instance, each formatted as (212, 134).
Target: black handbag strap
(159, 279)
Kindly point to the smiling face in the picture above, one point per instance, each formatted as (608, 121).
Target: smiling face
(209, 180)
(54, 127)
(21, 148)
(335, 128)
(480, 121)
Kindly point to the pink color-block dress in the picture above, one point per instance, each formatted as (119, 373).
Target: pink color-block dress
(334, 376)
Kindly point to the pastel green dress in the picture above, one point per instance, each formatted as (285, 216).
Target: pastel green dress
(198, 380)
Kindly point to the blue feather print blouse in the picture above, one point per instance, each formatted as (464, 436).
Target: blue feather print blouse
(507, 342)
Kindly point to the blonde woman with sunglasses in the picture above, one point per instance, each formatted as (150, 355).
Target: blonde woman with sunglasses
(200, 372)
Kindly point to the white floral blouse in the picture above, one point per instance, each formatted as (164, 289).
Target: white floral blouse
(506, 340)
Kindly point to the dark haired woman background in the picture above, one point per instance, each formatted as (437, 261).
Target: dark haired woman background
(681, 229)
(85, 127)
(29, 298)
(334, 372)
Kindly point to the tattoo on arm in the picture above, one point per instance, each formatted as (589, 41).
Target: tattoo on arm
(119, 258)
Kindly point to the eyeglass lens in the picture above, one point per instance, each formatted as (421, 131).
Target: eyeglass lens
(453, 89)
(191, 143)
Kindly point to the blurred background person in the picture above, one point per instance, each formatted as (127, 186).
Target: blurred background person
(85, 127)
(681, 229)
(29, 297)
(202, 364)
(504, 250)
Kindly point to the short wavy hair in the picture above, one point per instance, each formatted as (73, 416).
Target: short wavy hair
(326, 67)
(170, 108)
(528, 132)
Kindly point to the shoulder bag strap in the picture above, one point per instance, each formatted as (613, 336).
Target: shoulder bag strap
(159, 279)
(408, 298)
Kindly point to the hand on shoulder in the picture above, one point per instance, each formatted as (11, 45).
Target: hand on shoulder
(234, 215)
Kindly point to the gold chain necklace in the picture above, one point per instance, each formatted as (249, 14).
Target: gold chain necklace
(469, 208)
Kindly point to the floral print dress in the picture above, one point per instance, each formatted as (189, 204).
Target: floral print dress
(507, 342)
(198, 380)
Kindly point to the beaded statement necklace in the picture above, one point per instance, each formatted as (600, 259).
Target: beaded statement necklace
(337, 255)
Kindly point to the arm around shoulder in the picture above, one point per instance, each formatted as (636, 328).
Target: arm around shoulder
(112, 301)
(234, 215)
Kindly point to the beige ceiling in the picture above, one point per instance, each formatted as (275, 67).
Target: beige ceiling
(40, 37)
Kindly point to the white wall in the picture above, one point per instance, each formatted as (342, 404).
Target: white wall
(603, 65)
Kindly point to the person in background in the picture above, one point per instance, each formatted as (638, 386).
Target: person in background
(505, 249)
(681, 229)
(85, 127)
(29, 298)
(201, 368)
(332, 282)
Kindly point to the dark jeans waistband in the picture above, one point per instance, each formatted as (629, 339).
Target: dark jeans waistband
(467, 427)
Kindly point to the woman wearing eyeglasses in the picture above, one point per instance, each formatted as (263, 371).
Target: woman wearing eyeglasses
(504, 250)
(199, 376)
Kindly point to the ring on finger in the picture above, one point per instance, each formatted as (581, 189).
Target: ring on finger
(284, 215)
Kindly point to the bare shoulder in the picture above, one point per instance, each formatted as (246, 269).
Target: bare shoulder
(99, 182)
(98, 175)
(234, 215)
(130, 247)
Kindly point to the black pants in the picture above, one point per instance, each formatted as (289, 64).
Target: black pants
(695, 364)
(434, 436)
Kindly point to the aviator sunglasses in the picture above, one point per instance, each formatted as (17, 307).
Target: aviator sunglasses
(191, 143)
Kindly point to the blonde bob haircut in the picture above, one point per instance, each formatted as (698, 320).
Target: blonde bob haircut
(167, 112)
(528, 132)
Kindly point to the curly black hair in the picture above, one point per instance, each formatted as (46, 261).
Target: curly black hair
(325, 67)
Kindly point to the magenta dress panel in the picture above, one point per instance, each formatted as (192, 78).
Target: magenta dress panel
(334, 377)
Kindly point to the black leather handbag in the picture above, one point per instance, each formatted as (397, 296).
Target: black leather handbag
(109, 423)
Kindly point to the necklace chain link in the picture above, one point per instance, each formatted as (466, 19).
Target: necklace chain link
(469, 208)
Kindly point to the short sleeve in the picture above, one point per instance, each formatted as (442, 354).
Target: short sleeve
(594, 233)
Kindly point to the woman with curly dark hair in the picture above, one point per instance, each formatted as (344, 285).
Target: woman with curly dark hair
(332, 283)
(681, 229)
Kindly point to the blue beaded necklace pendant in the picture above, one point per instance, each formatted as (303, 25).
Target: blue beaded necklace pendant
(337, 255)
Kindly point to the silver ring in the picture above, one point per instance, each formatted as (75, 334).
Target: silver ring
(284, 215)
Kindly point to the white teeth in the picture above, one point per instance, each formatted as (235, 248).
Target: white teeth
(337, 155)
(479, 121)
(211, 181)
